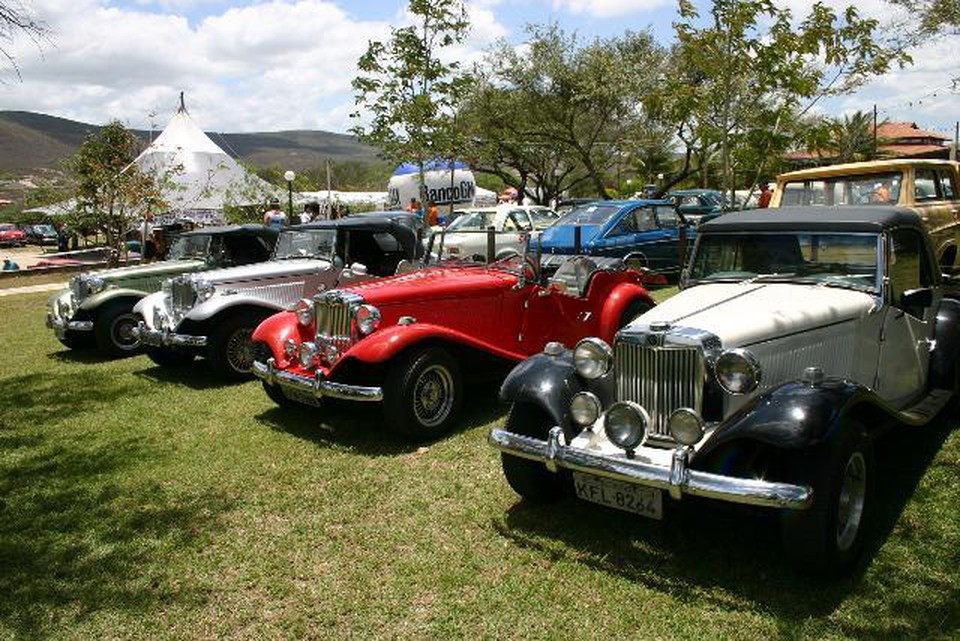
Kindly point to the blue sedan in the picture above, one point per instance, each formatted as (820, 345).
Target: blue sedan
(650, 228)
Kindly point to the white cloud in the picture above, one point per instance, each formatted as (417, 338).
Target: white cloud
(265, 66)
(607, 8)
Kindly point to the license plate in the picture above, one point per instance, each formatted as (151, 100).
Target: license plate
(645, 501)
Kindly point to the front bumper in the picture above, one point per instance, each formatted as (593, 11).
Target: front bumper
(314, 386)
(677, 479)
(61, 326)
(166, 338)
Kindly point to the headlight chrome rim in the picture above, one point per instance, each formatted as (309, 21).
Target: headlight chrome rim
(743, 382)
(633, 438)
(686, 426)
(304, 311)
(585, 408)
(592, 358)
(368, 318)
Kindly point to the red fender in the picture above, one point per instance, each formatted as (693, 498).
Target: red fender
(386, 343)
(616, 303)
(276, 329)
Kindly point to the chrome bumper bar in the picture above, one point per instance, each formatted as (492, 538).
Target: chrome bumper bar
(166, 338)
(677, 479)
(314, 385)
(60, 326)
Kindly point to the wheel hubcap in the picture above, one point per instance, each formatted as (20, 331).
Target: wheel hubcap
(433, 395)
(241, 351)
(122, 332)
(853, 490)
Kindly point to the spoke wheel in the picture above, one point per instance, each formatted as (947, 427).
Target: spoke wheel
(240, 350)
(433, 395)
(422, 393)
(230, 349)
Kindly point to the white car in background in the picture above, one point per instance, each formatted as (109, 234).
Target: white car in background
(523, 219)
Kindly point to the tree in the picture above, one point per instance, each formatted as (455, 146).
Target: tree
(933, 17)
(559, 113)
(16, 18)
(110, 188)
(410, 92)
(743, 74)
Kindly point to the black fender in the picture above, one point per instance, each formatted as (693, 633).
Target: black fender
(797, 415)
(946, 333)
(549, 382)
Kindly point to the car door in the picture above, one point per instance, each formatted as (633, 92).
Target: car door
(938, 211)
(905, 338)
(636, 231)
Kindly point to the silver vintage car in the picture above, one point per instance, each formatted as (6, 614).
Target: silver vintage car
(213, 314)
(799, 337)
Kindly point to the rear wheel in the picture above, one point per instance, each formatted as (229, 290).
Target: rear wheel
(828, 537)
(530, 479)
(423, 393)
(114, 329)
(231, 351)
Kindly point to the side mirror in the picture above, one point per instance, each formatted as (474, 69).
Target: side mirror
(917, 298)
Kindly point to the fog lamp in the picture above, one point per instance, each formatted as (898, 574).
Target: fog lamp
(331, 353)
(738, 371)
(585, 408)
(592, 358)
(686, 426)
(308, 354)
(290, 347)
(625, 424)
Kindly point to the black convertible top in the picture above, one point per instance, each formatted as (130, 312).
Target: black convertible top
(398, 224)
(813, 218)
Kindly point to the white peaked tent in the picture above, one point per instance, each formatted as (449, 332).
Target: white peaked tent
(199, 178)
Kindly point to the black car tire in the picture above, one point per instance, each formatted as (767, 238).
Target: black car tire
(423, 393)
(78, 340)
(277, 396)
(231, 350)
(828, 537)
(531, 479)
(169, 357)
(634, 309)
(113, 329)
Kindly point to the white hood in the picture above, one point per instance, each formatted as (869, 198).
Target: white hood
(744, 313)
(269, 269)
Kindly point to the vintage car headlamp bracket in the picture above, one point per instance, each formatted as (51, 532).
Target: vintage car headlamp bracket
(625, 424)
(738, 371)
(592, 358)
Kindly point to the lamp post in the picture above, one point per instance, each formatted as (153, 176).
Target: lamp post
(289, 176)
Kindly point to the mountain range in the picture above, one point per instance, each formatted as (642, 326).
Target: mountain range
(31, 142)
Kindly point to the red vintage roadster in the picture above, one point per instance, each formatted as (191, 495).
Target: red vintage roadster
(412, 340)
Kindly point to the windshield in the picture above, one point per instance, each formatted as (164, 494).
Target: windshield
(473, 220)
(44, 229)
(7, 227)
(188, 247)
(313, 243)
(592, 214)
(863, 189)
(542, 218)
(847, 260)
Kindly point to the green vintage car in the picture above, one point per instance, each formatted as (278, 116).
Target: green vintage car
(97, 307)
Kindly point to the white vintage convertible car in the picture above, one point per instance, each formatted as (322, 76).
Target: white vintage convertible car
(214, 313)
(797, 338)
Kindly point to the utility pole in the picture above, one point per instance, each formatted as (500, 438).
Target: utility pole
(956, 141)
(329, 192)
(874, 132)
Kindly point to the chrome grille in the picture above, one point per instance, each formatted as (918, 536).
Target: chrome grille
(182, 295)
(334, 320)
(661, 379)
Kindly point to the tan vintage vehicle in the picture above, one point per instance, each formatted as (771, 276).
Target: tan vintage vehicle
(928, 187)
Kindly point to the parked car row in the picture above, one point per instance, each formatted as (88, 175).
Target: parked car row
(798, 337)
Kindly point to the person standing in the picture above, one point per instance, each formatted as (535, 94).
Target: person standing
(765, 195)
(63, 239)
(433, 215)
(274, 217)
(311, 211)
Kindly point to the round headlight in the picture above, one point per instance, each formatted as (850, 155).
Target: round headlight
(592, 358)
(625, 424)
(331, 353)
(304, 310)
(95, 284)
(686, 426)
(308, 354)
(203, 288)
(368, 318)
(738, 371)
(585, 408)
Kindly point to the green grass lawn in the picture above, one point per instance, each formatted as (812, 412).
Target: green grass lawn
(135, 502)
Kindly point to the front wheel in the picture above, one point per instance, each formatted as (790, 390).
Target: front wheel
(634, 309)
(231, 351)
(423, 393)
(828, 537)
(114, 330)
(531, 479)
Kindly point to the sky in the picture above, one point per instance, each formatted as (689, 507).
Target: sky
(287, 64)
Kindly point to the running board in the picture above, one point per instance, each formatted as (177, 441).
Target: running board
(928, 407)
